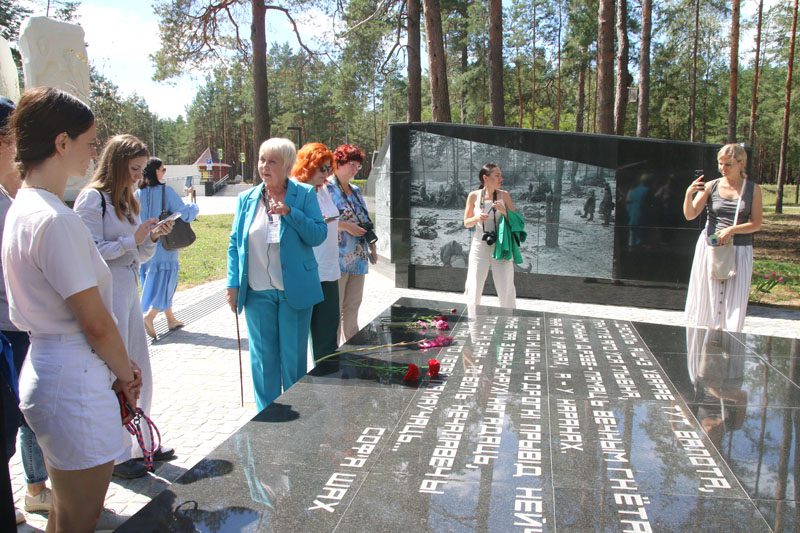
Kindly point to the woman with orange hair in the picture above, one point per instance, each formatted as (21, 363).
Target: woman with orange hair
(312, 166)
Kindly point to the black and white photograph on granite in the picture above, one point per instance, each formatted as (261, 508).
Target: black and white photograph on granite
(537, 422)
(568, 206)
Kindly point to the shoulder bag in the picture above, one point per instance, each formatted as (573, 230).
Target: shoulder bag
(182, 234)
(722, 257)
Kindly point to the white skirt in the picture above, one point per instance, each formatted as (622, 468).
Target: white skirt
(66, 397)
(718, 304)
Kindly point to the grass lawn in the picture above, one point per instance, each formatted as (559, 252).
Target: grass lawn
(206, 259)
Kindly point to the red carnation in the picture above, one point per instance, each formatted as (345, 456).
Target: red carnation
(412, 374)
(433, 368)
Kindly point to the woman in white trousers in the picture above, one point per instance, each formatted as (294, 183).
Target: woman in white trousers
(110, 210)
(482, 212)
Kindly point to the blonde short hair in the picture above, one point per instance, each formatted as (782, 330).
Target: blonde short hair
(737, 152)
(281, 148)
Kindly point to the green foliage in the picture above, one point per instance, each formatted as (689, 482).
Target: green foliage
(12, 13)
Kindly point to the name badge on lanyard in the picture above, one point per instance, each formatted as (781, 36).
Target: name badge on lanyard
(273, 229)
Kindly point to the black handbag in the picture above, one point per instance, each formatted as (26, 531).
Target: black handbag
(182, 234)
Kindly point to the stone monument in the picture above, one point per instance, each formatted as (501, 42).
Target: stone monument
(54, 55)
(9, 80)
(535, 422)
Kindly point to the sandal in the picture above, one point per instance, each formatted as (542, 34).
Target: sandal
(176, 325)
(149, 328)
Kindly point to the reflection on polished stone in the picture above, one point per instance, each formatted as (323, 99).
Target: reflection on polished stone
(538, 422)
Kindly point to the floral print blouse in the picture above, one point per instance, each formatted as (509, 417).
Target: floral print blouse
(353, 251)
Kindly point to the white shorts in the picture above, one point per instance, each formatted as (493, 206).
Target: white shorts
(66, 397)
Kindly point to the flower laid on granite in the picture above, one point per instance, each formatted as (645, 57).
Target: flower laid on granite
(764, 284)
(438, 342)
(438, 322)
(412, 374)
(387, 370)
(433, 368)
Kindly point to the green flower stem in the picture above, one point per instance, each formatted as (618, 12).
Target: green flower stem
(366, 349)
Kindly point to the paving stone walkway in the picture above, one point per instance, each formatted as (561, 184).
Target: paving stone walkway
(197, 394)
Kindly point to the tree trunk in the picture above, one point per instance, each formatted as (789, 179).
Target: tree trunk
(751, 134)
(734, 69)
(693, 93)
(581, 94)
(437, 62)
(533, 68)
(605, 67)
(518, 67)
(261, 125)
(787, 104)
(623, 76)
(643, 111)
(462, 91)
(414, 67)
(496, 93)
(557, 123)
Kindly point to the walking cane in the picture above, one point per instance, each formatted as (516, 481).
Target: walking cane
(239, 341)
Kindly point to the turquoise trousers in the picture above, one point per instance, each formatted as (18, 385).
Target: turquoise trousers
(278, 336)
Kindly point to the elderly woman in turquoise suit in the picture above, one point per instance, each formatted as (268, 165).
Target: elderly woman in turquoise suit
(272, 272)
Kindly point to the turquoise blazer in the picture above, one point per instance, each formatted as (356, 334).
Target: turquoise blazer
(301, 230)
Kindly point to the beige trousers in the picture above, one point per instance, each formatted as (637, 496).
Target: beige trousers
(351, 289)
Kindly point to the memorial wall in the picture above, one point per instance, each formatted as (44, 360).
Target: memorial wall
(603, 213)
(534, 422)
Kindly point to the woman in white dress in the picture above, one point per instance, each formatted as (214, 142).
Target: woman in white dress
(59, 289)
(482, 212)
(713, 303)
(110, 210)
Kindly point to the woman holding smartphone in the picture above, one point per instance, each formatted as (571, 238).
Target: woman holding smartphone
(59, 289)
(710, 302)
(313, 166)
(159, 275)
(110, 210)
(482, 212)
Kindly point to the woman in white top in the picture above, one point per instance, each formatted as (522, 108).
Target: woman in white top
(110, 210)
(313, 165)
(59, 289)
(482, 212)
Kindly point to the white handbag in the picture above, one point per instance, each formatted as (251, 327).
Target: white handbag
(722, 257)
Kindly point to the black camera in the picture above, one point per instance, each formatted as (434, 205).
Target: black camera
(370, 234)
(490, 237)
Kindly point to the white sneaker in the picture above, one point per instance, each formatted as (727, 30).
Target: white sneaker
(110, 520)
(20, 517)
(40, 503)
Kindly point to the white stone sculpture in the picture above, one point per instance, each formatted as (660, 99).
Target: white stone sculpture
(9, 78)
(54, 55)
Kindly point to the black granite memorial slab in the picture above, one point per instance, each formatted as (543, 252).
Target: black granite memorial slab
(537, 422)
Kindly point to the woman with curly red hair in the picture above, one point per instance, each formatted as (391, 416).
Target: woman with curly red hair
(314, 164)
(356, 235)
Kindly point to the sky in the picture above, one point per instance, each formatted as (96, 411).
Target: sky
(122, 35)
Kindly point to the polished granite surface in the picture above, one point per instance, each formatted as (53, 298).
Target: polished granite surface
(538, 422)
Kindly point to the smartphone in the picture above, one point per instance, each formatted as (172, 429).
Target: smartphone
(174, 216)
(331, 219)
(698, 172)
